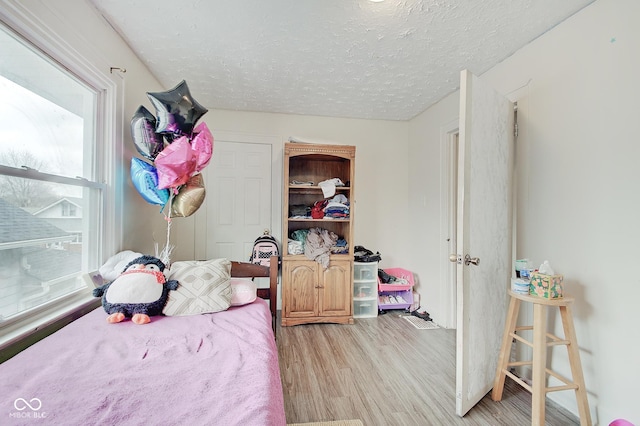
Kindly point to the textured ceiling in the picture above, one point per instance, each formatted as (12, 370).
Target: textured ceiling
(339, 58)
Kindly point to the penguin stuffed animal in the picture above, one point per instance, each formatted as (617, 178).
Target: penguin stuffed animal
(141, 291)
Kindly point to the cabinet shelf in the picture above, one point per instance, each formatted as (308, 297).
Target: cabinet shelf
(325, 219)
(315, 188)
(311, 293)
(344, 256)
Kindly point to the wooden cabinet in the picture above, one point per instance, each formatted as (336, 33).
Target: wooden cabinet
(311, 293)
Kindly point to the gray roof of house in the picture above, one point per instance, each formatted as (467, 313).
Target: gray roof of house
(17, 225)
(49, 264)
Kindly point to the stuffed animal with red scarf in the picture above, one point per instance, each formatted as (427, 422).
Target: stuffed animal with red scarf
(140, 292)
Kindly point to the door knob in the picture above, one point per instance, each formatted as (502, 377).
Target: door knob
(455, 258)
(474, 260)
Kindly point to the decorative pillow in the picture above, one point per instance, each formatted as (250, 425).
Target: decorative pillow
(243, 291)
(205, 287)
(116, 264)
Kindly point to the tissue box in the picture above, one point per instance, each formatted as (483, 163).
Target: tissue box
(547, 286)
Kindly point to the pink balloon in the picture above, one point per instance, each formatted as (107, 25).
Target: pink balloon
(202, 144)
(175, 164)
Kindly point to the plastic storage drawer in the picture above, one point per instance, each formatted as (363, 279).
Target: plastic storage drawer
(365, 271)
(365, 289)
(365, 308)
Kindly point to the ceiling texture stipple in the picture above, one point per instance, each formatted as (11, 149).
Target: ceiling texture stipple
(339, 58)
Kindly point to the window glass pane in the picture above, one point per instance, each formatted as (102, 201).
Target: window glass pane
(51, 222)
(46, 114)
(42, 257)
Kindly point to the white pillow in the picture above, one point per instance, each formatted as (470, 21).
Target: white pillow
(114, 266)
(205, 287)
(243, 291)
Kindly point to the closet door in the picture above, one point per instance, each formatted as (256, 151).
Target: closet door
(238, 201)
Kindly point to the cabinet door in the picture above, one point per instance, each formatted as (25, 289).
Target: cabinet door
(335, 294)
(300, 288)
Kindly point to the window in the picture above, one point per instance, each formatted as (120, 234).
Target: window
(52, 191)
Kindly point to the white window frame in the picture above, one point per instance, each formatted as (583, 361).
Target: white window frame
(109, 127)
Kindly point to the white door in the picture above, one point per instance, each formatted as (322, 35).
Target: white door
(238, 201)
(486, 155)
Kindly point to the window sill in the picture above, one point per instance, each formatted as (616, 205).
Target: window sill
(15, 338)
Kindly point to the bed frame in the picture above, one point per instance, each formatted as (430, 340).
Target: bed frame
(251, 270)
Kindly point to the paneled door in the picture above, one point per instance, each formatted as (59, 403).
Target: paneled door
(238, 201)
(485, 168)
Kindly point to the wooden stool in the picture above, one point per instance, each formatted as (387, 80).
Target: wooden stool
(540, 343)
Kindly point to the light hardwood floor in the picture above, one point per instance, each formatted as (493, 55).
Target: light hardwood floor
(386, 372)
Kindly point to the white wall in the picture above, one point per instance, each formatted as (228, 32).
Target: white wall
(577, 186)
(428, 259)
(381, 220)
(381, 153)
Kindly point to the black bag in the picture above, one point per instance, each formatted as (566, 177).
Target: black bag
(361, 254)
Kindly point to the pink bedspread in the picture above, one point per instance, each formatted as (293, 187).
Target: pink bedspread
(214, 369)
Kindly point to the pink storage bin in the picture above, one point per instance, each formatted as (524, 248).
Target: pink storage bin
(398, 273)
(406, 295)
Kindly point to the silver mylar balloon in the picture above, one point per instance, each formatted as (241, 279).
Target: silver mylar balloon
(176, 110)
(143, 130)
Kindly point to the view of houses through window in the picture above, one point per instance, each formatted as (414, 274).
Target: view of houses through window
(50, 197)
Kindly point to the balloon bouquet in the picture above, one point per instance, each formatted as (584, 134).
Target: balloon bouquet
(174, 177)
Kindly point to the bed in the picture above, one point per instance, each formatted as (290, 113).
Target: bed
(219, 368)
